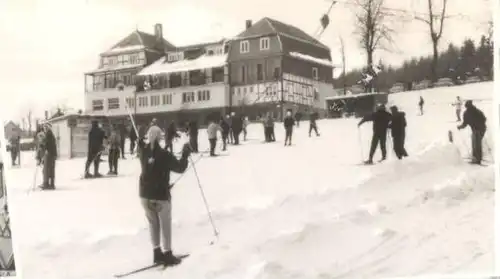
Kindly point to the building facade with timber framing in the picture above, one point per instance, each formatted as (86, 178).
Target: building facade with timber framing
(267, 68)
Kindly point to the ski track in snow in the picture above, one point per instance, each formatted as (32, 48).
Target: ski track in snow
(306, 211)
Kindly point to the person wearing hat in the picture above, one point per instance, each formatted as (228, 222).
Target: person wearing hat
(49, 152)
(398, 132)
(381, 119)
(95, 148)
(154, 191)
(288, 123)
(475, 119)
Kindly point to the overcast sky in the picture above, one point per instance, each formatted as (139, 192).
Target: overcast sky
(47, 45)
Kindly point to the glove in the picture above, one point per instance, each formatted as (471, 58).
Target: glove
(186, 150)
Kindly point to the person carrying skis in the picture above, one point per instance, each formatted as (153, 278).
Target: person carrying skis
(193, 135)
(154, 192)
(114, 143)
(212, 129)
(398, 132)
(236, 127)
(458, 108)
(225, 132)
(289, 122)
(475, 119)
(96, 139)
(381, 119)
(312, 123)
(421, 105)
(49, 146)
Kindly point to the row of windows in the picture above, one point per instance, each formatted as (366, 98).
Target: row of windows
(151, 101)
(123, 59)
(264, 44)
(276, 74)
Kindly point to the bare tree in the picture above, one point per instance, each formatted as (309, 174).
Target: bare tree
(435, 21)
(372, 27)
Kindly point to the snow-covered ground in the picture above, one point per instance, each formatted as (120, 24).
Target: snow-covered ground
(306, 211)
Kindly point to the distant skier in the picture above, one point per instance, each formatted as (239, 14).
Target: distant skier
(49, 158)
(96, 139)
(224, 124)
(212, 130)
(475, 119)
(14, 147)
(312, 123)
(193, 135)
(236, 127)
(230, 133)
(114, 143)
(458, 108)
(421, 105)
(268, 127)
(154, 191)
(398, 132)
(133, 138)
(381, 119)
(288, 122)
(246, 122)
(171, 135)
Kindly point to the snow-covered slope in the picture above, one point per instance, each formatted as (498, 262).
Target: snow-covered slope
(306, 211)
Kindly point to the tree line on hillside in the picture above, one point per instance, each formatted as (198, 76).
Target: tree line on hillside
(457, 63)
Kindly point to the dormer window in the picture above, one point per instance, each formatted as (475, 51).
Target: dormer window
(264, 43)
(244, 46)
(175, 56)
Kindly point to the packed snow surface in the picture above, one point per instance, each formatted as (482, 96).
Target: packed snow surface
(305, 211)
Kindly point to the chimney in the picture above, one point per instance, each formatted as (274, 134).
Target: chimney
(248, 23)
(159, 34)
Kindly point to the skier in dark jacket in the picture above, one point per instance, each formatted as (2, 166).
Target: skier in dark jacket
(49, 158)
(171, 134)
(236, 128)
(312, 123)
(230, 133)
(223, 123)
(398, 132)
(381, 119)
(288, 122)
(193, 135)
(154, 191)
(96, 140)
(475, 119)
(421, 105)
(114, 142)
(123, 136)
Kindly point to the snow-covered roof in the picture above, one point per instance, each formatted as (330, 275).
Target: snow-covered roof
(202, 62)
(313, 59)
(124, 49)
(353, 96)
(113, 68)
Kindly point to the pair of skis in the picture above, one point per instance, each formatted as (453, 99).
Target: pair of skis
(149, 267)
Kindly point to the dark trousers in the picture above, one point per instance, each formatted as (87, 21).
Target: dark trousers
(231, 138)
(113, 156)
(49, 170)
(477, 145)
(236, 136)
(225, 136)
(132, 146)
(13, 156)
(94, 157)
(213, 143)
(193, 141)
(169, 145)
(398, 142)
(376, 139)
(313, 127)
(268, 133)
(122, 147)
(288, 135)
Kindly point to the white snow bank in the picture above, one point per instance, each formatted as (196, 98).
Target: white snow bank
(202, 62)
(324, 62)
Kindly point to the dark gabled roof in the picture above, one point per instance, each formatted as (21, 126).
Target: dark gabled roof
(13, 124)
(197, 46)
(267, 26)
(143, 39)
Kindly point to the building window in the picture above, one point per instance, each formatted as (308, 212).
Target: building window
(196, 77)
(260, 72)
(218, 74)
(203, 95)
(187, 97)
(175, 80)
(315, 74)
(316, 94)
(175, 56)
(167, 99)
(113, 103)
(155, 100)
(264, 43)
(133, 59)
(243, 74)
(277, 72)
(143, 101)
(97, 105)
(131, 102)
(244, 46)
(98, 83)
